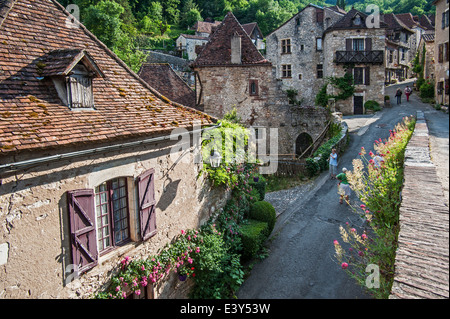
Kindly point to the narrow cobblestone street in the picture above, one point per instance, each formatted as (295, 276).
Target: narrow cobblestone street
(301, 263)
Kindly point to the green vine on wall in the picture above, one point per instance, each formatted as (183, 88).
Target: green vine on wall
(343, 84)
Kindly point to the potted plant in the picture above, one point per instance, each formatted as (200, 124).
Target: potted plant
(184, 272)
(387, 101)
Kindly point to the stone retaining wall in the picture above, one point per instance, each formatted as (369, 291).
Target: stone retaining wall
(422, 256)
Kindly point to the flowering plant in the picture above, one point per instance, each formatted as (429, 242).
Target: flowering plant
(377, 180)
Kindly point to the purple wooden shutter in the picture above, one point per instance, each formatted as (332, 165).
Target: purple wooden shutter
(368, 44)
(367, 76)
(82, 229)
(147, 203)
(348, 45)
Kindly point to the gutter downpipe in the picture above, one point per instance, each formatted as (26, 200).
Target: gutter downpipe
(26, 164)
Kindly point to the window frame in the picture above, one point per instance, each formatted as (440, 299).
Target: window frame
(286, 46)
(319, 71)
(319, 48)
(110, 213)
(251, 83)
(286, 71)
(362, 75)
(356, 47)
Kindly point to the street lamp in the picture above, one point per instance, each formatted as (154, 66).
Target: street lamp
(215, 158)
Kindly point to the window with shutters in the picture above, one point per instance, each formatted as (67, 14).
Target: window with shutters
(358, 44)
(112, 213)
(358, 75)
(441, 53)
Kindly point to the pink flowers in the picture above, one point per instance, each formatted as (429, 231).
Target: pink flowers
(344, 265)
(364, 236)
(197, 250)
(335, 242)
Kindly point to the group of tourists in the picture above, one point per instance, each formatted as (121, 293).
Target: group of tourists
(398, 94)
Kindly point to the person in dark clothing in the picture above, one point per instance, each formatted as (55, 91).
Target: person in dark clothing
(398, 94)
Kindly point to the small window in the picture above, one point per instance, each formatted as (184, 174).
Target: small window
(286, 70)
(357, 20)
(358, 44)
(358, 75)
(254, 90)
(319, 44)
(320, 71)
(286, 46)
(112, 212)
(300, 76)
(297, 21)
(302, 47)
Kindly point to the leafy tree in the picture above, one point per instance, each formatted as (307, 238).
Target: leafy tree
(103, 19)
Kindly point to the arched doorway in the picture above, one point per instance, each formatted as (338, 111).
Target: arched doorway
(303, 141)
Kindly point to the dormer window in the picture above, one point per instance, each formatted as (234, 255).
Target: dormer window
(357, 20)
(72, 73)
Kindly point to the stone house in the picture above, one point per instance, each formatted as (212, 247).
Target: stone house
(402, 39)
(419, 25)
(232, 73)
(186, 44)
(441, 52)
(427, 41)
(254, 32)
(163, 78)
(296, 50)
(352, 45)
(88, 170)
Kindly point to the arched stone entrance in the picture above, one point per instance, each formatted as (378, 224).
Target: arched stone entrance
(303, 141)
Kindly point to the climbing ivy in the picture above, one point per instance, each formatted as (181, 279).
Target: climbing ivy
(345, 87)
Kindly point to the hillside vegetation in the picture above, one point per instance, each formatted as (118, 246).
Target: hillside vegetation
(126, 26)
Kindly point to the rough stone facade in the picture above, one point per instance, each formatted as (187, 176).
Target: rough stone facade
(225, 88)
(250, 85)
(373, 74)
(441, 52)
(427, 41)
(35, 220)
(301, 54)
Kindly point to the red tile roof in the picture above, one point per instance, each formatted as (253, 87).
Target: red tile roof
(205, 27)
(32, 116)
(165, 80)
(218, 50)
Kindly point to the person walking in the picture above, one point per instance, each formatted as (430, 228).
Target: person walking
(344, 186)
(408, 92)
(398, 94)
(333, 163)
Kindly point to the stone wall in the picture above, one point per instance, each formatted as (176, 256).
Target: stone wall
(35, 226)
(302, 31)
(335, 41)
(441, 36)
(226, 87)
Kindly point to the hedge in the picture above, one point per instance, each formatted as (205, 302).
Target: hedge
(253, 234)
(265, 212)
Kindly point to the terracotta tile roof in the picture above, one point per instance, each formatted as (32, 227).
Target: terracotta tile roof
(205, 27)
(337, 9)
(32, 116)
(165, 80)
(346, 22)
(428, 37)
(195, 37)
(218, 50)
(425, 22)
(407, 19)
(394, 23)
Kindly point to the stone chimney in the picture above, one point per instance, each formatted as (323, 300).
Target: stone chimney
(236, 49)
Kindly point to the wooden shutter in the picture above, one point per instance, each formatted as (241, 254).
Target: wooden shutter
(82, 229)
(367, 76)
(368, 44)
(446, 52)
(441, 53)
(81, 94)
(147, 204)
(348, 44)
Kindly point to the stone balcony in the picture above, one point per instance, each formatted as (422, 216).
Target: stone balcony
(364, 57)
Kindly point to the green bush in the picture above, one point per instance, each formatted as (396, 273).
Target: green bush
(260, 186)
(253, 234)
(264, 211)
(427, 90)
(372, 105)
(312, 167)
